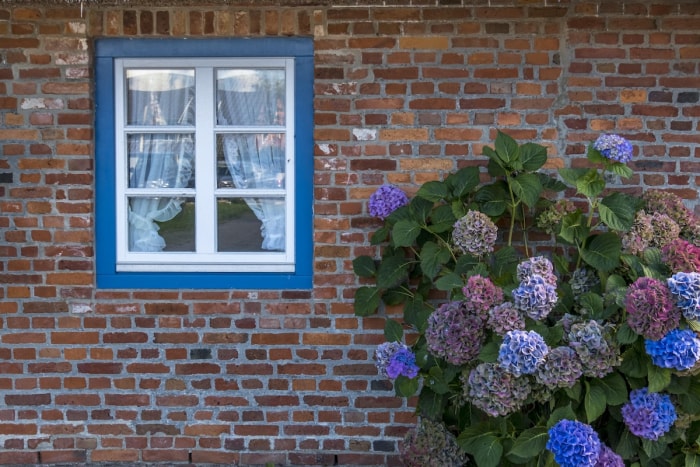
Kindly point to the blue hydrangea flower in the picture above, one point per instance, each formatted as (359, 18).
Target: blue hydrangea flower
(402, 363)
(614, 147)
(522, 352)
(574, 444)
(561, 369)
(535, 296)
(595, 346)
(685, 287)
(387, 199)
(679, 349)
(648, 415)
(608, 458)
(495, 391)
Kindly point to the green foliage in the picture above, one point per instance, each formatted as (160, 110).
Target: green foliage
(420, 268)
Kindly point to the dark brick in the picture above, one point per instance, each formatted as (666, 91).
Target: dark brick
(688, 97)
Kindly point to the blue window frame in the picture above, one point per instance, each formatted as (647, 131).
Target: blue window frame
(204, 167)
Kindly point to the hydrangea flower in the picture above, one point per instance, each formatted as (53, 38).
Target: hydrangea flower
(393, 359)
(614, 147)
(670, 204)
(679, 349)
(387, 199)
(403, 363)
(681, 255)
(685, 287)
(495, 391)
(431, 444)
(480, 294)
(649, 231)
(538, 265)
(474, 234)
(505, 317)
(574, 444)
(550, 218)
(648, 415)
(535, 296)
(522, 352)
(454, 333)
(583, 280)
(608, 458)
(561, 368)
(596, 348)
(650, 309)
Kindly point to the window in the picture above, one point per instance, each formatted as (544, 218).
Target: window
(204, 163)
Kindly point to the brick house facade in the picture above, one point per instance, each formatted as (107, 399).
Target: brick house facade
(405, 91)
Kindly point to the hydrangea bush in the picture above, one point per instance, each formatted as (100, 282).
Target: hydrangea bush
(580, 350)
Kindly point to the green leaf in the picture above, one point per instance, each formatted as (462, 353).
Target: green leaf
(463, 181)
(561, 413)
(505, 261)
(438, 380)
(634, 363)
(625, 334)
(653, 448)
(449, 282)
(392, 271)
(486, 448)
(381, 235)
(572, 176)
(432, 257)
(533, 156)
(431, 404)
(551, 183)
(527, 187)
(618, 168)
(416, 313)
(659, 378)
(530, 443)
(364, 266)
(495, 166)
(692, 459)
(628, 445)
(406, 387)
(420, 209)
(507, 149)
(433, 191)
(602, 251)
(366, 300)
(617, 211)
(393, 331)
(614, 387)
(489, 352)
(492, 199)
(591, 185)
(573, 228)
(442, 218)
(595, 156)
(592, 303)
(405, 232)
(594, 402)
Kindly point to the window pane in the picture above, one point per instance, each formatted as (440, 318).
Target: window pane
(251, 160)
(161, 224)
(161, 160)
(251, 224)
(160, 97)
(250, 97)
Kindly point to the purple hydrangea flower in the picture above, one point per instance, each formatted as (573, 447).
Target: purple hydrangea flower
(505, 317)
(538, 265)
(387, 199)
(650, 308)
(685, 286)
(596, 348)
(614, 147)
(648, 415)
(681, 255)
(608, 458)
(495, 391)
(474, 234)
(535, 296)
(561, 368)
(393, 359)
(574, 444)
(522, 352)
(679, 349)
(454, 333)
(480, 294)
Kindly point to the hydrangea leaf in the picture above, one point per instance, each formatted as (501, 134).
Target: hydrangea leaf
(572, 176)
(433, 191)
(433, 257)
(420, 209)
(527, 187)
(442, 219)
(392, 271)
(430, 403)
(617, 211)
(690, 401)
(659, 378)
(634, 363)
(381, 235)
(364, 266)
(614, 387)
(591, 185)
(573, 227)
(602, 251)
(406, 387)
(627, 446)
(449, 282)
(437, 380)
(530, 443)
(485, 447)
(505, 261)
(393, 331)
(595, 156)
(416, 312)
(550, 183)
(594, 402)
(533, 156)
(366, 300)
(618, 168)
(489, 352)
(653, 449)
(508, 151)
(625, 334)
(405, 232)
(463, 181)
(592, 303)
(692, 459)
(561, 413)
(492, 199)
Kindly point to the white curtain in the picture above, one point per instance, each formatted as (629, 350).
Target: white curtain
(158, 161)
(257, 160)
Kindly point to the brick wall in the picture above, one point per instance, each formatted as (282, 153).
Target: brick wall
(404, 94)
